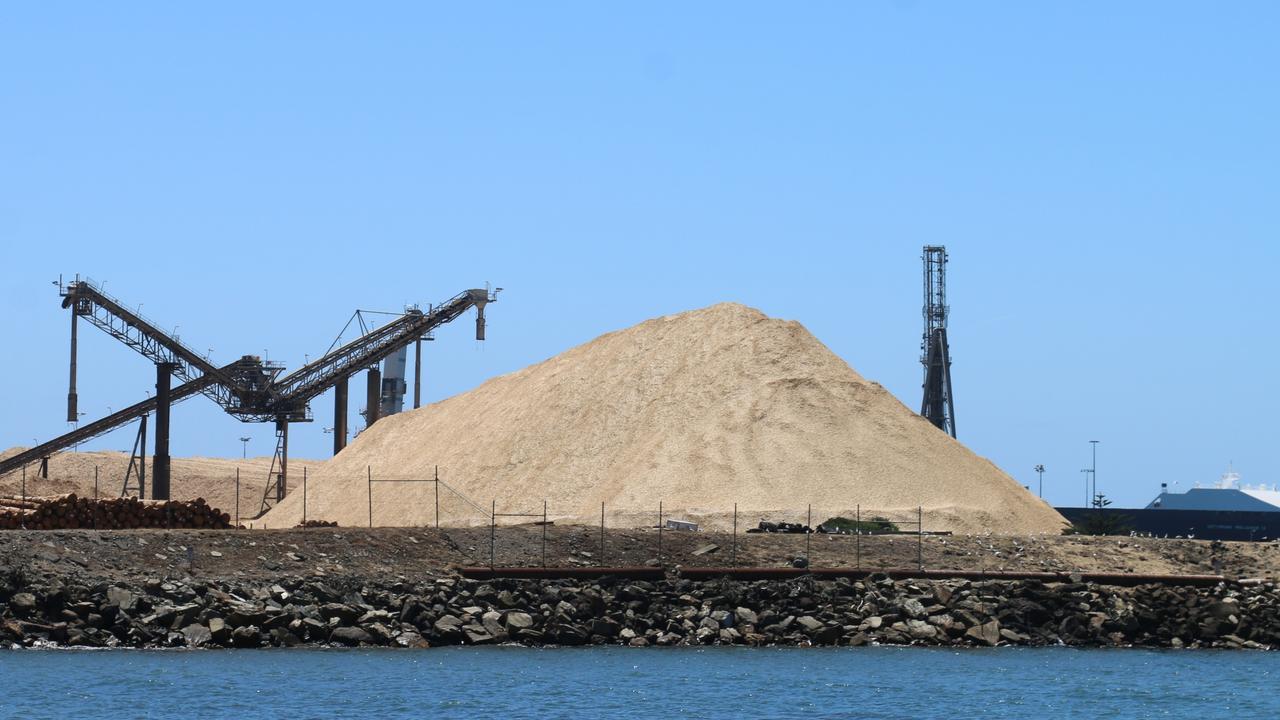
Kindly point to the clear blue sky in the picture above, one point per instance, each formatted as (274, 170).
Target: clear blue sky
(1105, 176)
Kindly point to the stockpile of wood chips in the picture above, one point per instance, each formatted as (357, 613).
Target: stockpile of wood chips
(701, 411)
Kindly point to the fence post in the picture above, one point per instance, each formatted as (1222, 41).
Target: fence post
(24, 497)
(438, 497)
(237, 496)
(808, 533)
(544, 533)
(920, 537)
(733, 551)
(659, 533)
(493, 531)
(857, 538)
(95, 487)
(602, 533)
(369, 470)
(304, 494)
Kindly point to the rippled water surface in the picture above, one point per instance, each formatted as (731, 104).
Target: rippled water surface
(632, 683)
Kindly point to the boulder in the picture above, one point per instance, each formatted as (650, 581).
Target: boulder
(986, 634)
(196, 635)
(829, 635)
(448, 625)
(913, 608)
(120, 597)
(809, 623)
(921, 630)
(350, 636)
(246, 637)
(518, 621)
(218, 630)
(22, 604)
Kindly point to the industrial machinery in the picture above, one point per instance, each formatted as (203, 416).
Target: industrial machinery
(938, 406)
(250, 389)
(391, 400)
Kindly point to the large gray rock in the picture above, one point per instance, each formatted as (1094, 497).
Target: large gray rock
(345, 613)
(668, 638)
(448, 625)
(921, 630)
(350, 636)
(809, 623)
(246, 637)
(196, 635)
(913, 608)
(120, 597)
(746, 616)
(476, 634)
(519, 621)
(829, 635)
(987, 633)
(218, 630)
(22, 604)
(604, 627)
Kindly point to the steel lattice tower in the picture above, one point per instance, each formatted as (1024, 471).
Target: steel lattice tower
(938, 406)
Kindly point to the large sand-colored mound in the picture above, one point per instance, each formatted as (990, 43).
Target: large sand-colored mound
(699, 410)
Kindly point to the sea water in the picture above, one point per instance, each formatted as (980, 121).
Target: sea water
(602, 683)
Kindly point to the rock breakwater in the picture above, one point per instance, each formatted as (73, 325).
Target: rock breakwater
(805, 611)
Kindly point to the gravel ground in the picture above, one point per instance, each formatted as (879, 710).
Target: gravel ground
(417, 554)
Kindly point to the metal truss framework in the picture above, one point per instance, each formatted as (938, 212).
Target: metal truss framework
(938, 405)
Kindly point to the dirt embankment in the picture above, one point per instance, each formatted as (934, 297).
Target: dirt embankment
(419, 554)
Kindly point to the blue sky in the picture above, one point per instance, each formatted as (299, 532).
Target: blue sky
(1104, 177)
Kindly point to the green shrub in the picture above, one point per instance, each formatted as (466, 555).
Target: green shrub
(872, 526)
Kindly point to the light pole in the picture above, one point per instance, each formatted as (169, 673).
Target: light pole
(1086, 472)
(1040, 472)
(1094, 470)
(244, 447)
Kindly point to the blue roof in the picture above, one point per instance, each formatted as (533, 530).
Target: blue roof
(1212, 499)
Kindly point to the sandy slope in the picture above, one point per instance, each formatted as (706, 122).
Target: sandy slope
(698, 410)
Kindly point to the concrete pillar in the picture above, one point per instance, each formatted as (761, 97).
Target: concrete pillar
(340, 415)
(73, 413)
(373, 400)
(160, 460)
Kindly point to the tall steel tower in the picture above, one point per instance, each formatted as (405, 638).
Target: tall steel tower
(938, 406)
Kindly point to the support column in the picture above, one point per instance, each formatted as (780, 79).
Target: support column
(142, 459)
(160, 460)
(73, 413)
(282, 480)
(373, 401)
(417, 374)
(340, 415)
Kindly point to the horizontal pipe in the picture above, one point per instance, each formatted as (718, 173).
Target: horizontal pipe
(781, 573)
(633, 573)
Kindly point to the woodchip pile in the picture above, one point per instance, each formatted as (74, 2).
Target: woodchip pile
(701, 411)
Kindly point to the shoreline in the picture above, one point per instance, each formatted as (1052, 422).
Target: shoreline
(358, 611)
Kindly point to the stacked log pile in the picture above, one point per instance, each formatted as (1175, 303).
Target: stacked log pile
(72, 512)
